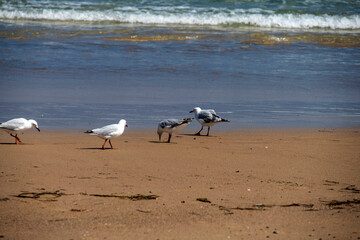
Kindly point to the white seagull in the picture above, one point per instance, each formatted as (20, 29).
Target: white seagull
(109, 131)
(207, 118)
(172, 125)
(16, 125)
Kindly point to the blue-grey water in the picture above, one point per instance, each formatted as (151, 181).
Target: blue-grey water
(78, 65)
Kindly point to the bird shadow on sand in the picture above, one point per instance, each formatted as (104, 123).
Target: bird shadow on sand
(98, 148)
(7, 143)
(162, 142)
(194, 135)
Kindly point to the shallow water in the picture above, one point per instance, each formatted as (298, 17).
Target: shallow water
(87, 73)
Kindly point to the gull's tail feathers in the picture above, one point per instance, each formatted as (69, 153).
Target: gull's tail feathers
(89, 131)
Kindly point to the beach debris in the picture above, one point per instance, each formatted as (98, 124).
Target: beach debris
(142, 197)
(336, 203)
(203, 200)
(143, 211)
(297, 205)
(350, 188)
(131, 197)
(227, 211)
(330, 183)
(57, 220)
(287, 183)
(255, 208)
(77, 210)
(4, 199)
(43, 196)
(263, 207)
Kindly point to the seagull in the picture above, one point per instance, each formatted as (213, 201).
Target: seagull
(207, 118)
(109, 131)
(172, 125)
(16, 125)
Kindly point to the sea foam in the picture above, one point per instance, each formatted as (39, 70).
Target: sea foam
(188, 16)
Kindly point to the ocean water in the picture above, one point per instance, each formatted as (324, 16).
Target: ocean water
(84, 64)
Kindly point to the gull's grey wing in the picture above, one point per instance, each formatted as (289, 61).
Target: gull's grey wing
(169, 123)
(207, 116)
(212, 111)
(217, 118)
(172, 123)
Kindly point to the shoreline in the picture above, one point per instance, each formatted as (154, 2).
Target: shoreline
(277, 184)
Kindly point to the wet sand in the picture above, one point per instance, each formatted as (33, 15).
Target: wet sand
(251, 184)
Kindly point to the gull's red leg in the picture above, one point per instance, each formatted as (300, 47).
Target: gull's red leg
(111, 144)
(16, 138)
(103, 146)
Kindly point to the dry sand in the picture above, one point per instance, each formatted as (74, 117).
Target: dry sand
(253, 184)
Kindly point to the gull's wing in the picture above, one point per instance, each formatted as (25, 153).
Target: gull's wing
(173, 123)
(207, 115)
(14, 124)
(212, 111)
(169, 123)
(106, 130)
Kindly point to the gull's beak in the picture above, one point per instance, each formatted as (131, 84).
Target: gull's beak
(38, 129)
(191, 111)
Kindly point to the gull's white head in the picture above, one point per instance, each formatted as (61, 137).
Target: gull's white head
(34, 124)
(195, 110)
(123, 122)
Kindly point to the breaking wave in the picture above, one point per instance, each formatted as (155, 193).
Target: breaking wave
(187, 16)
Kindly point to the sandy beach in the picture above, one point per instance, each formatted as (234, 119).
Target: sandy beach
(284, 73)
(250, 184)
